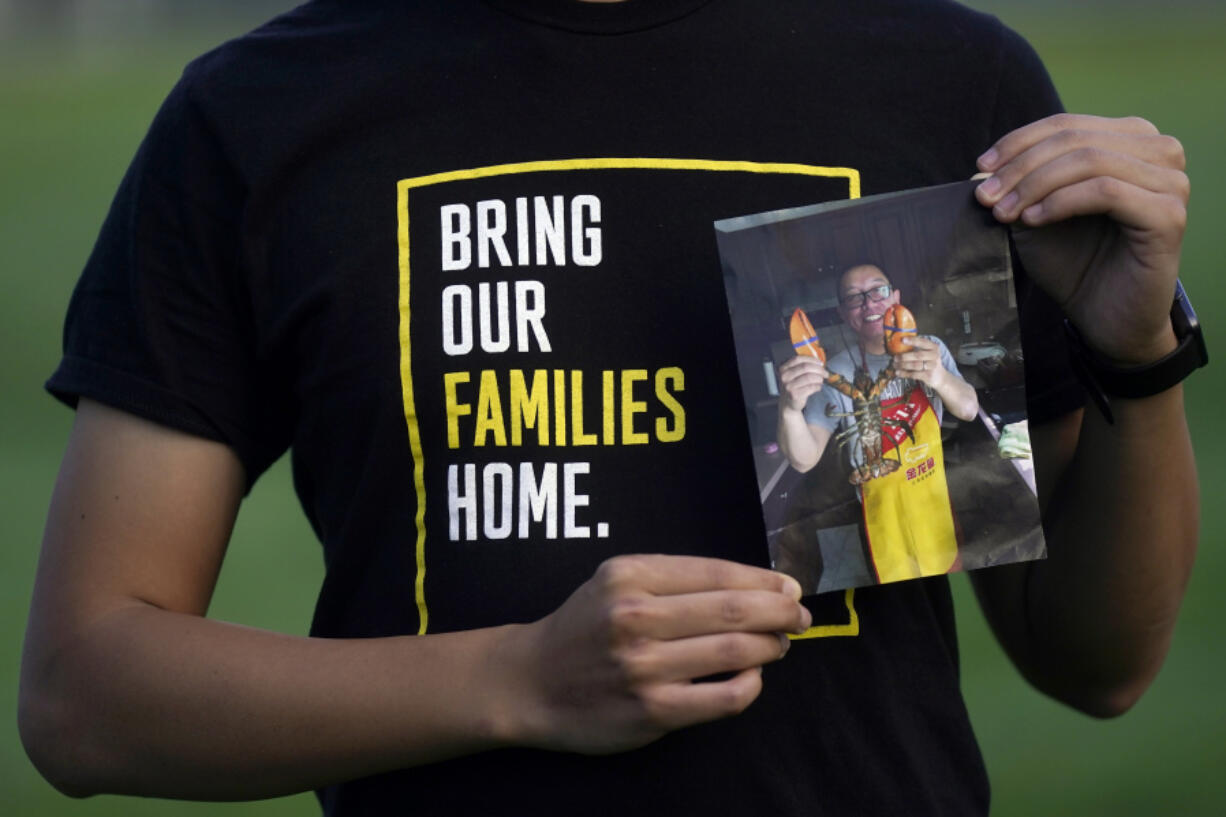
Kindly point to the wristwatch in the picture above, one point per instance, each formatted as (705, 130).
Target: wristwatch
(1103, 380)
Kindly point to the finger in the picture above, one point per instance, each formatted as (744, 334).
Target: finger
(815, 371)
(919, 342)
(1153, 148)
(804, 386)
(1127, 204)
(682, 704)
(663, 575)
(700, 657)
(1018, 141)
(917, 357)
(1082, 164)
(800, 365)
(919, 369)
(695, 614)
(788, 365)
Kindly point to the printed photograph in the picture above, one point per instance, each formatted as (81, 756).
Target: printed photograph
(881, 367)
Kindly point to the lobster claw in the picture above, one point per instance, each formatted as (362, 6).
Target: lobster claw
(899, 324)
(804, 336)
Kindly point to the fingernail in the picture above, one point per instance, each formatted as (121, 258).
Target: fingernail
(1033, 213)
(806, 619)
(989, 159)
(785, 644)
(990, 187)
(1005, 206)
(792, 587)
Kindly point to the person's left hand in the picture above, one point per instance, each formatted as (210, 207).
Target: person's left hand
(1099, 208)
(922, 362)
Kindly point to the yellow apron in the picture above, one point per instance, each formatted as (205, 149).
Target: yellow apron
(907, 515)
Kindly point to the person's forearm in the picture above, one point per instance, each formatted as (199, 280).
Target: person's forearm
(157, 703)
(1121, 529)
(797, 441)
(1123, 538)
(958, 396)
(165, 704)
(127, 688)
(1098, 208)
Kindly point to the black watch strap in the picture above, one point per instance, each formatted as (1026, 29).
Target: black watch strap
(1104, 380)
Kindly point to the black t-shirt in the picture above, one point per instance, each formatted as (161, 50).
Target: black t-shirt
(459, 258)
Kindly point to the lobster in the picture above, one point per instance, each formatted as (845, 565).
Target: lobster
(866, 419)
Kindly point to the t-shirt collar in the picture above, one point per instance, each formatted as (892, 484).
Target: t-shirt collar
(600, 18)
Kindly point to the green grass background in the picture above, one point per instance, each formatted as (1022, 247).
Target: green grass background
(72, 110)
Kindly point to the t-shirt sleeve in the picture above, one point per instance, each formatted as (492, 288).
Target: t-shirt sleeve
(160, 323)
(947, 359)
(1025, 93)
(1024, 90)
(815, 409)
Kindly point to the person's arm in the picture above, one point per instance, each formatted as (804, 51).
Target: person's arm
(923, 363)
(127, 688)
(1102, 207)
(802, 442)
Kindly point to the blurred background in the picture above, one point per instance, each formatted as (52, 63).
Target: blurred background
(79, 83)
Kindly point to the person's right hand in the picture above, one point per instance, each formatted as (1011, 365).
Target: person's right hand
(615, 667)
(799, 379)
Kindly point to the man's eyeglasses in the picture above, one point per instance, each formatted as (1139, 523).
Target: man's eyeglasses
(857, 299)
